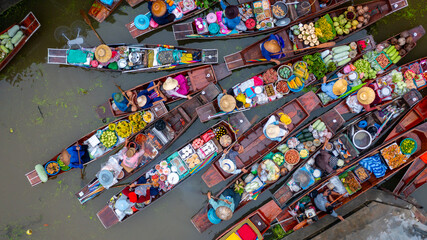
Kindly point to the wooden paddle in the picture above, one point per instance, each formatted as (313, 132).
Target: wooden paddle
(80, 161)
(333, 79)
(215, 198)
(323, 45)
(126, 184)
(87, 20)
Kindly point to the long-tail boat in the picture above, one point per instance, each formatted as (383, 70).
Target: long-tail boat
(29, 25)
(184, 162)
(212, 110)
(100, 11)
(296, 13)
(256, 144)
(178, 120)
(333, 122)
(416, 33)
(135, 57)
(418, 134)
(187, 14)
(98, 150)
(198, 78)
(251, 55)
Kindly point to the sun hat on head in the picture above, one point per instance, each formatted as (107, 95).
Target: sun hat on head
(365, 95)
(339, 87)
(224, 213)
(213, 218)
(170, 84)
(103, 53)
(159, 8)
(141, 22)
(231, 12)
(141, 100)
(65, 157)
(228, 166)
(272, 131)
(272, 46)
(227, 103)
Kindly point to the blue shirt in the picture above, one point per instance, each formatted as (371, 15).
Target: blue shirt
(327, 88)
(147, 94)
(229, 23)
(123, 105)
(74, 158)
(266, 54)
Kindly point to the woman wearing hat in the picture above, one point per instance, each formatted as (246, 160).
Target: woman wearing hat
(232, 18)
(131, 158)
(223, 209)
(272, 130)
(159, 12)
(228, 161)
(130, 192)
(70, 156)
(271, 49)
(122, 102)
(327, 162)
(336, 88)
(177, 87)
(148, 97)
(367, 96)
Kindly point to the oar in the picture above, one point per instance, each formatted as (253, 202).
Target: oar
(87, 20)
(333, 79)
(215, 198)
(126, 184)
(80, 161)
(323, 45)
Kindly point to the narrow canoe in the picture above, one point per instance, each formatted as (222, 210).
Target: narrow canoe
(256, 144)
(187, 31)
(100, 11)
(110, 216)
(139, 57)
(29, 25)
(415, 177)
(251, 55)
(178, 119)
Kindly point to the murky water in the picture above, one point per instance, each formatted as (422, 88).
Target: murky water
(46, 107)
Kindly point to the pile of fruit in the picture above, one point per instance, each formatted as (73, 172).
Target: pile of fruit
(10, 40)
(278, 158)
(393, 156)
(123, 129)
(351, 19)
(108, 138)
(136, 122)
(307, 34)
(52, 168)
(296, 81)
(147, 116)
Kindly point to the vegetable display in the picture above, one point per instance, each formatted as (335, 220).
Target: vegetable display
(316, 65)
(278, 158)
(292, 157)
(108, 138)
(363, 68)
(351, 20)
(10, 40)
(123, 129)
(325, 30)
(408, 146)
(308, 34)
(393, 156)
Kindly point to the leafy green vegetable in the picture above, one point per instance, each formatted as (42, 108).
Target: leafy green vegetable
(316, 65)
(363, 66)
(205, 3)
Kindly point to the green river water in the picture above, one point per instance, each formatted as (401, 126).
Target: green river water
(67, 98)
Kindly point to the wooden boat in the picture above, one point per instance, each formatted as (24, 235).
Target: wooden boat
(256, 144)
(422, 63)
(110, 216)
(416, 32)
(212, 110)
(135, 32)
(178, 121)
(139, 57)
(419, 134)
(378, 117)
(187, 31)
(333, 121)
(133, 3)
(29, 25)
(198, 79)
(251, 55)
(100, 11)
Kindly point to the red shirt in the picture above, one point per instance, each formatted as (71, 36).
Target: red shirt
(140, 199)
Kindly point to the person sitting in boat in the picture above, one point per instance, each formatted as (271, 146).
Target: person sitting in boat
(327, 162)
(323, 203)
(177, 87)
(105, 57)
(137, 196)
(367, 96)
(159, 12)
(272, 130)
(232, 18)
(70, 156)
(131, 158)
(122, 102)
(154, 188)
(228, 160)
(271, 49)
(224, 207)
(336, 88)
(148, 97)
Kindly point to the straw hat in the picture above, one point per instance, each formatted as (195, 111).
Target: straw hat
(130, 152)
(272, 46)
(158, 8)
(365, 95)
(272, 131)
(227, 103)
(170, 84)
(339, 87)
(224, 213)
(103, 53)
(231, 12)
(141, 100)
(65, 157)
(228, 166)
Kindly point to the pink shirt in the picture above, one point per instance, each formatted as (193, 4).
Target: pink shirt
(131, 162)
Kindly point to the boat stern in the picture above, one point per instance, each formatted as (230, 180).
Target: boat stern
(108, 217)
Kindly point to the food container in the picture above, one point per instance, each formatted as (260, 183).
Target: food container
(279, 159)
(362, 139)
(176, 162)
(413, 149)
(393, 156)
(284, 72)
(282, 87)
(269, 90)
(292, 157)
(279, 10)
(52, 168)
(186, 152)
(207, 149)
(269, 76)
(304, 153)
(383, 60)
(350, 182)
(361, 173)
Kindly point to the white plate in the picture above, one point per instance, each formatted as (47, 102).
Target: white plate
(173, 178)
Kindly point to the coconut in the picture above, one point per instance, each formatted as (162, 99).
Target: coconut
(359, 7)
(401, 41)
(393, 41)
(398, 47)
(366, 8)
(359, 25)
(360, 18)
(360, 12)
(404, 34)
(402, 52)
(409, 39)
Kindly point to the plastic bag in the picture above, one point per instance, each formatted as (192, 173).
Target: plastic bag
(112, 165)
(338, 186)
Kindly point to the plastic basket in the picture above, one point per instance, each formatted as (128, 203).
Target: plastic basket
(52, 174)
(413, 150)
(382, 52)
(355, 170)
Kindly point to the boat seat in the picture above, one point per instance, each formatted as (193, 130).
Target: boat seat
(184, 114)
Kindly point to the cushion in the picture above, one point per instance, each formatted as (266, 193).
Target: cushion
(246, 233)
(234, 236)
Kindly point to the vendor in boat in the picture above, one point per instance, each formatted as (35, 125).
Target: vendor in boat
(148, 97)
(131, 158)
(226, 102)
(335, 89)
(272, 130)
(228, 160)
(70, 156)
(232, 18)
(137, 194)
(323, 202)
(122, 102)
(160, 12)
(177, 87)
(327, 162)
(224, 207)
(105, 57)
(271, 49)
(366, 96)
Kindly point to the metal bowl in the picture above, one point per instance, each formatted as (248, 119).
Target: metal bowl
(282, 6)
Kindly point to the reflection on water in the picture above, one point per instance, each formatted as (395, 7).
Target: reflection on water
(47, 107)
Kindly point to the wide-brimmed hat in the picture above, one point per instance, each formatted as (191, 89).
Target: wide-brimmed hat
(103, 53)
(339, 87)
(365, 95)
(118, 97)
(141, 22)
(272, 46)
(105, 177)
(231, 12)
(130, 152)
(141, 100)
(272, 131)
(224, 213)
(65, 157)
(158, 8)
(228, 165)
(170, 84)
(227, 103)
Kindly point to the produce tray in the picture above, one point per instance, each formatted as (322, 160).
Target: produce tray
(183, 155)
(356, 170)
(386, 160)
(389, 60)
(175, 160)
(344, 175)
